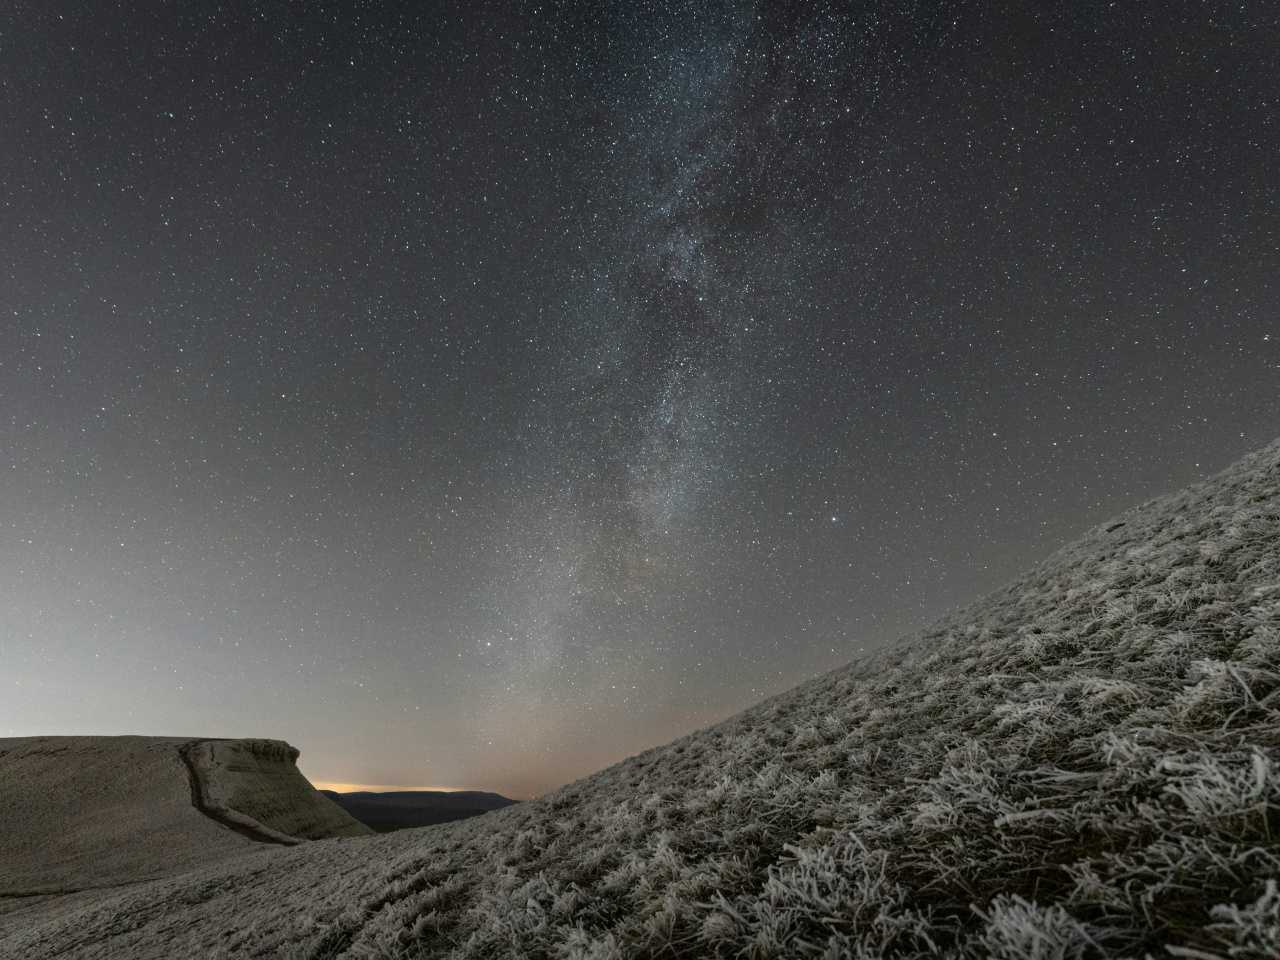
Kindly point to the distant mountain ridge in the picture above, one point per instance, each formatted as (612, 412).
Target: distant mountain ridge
(389, 810)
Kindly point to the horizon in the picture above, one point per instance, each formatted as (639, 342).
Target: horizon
(488, 393)
(383, 788)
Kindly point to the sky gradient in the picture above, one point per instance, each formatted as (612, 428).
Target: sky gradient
(473, 394)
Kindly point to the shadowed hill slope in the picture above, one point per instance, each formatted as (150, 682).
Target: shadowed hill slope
(81, 812)
(1083, 763)
(400, 809)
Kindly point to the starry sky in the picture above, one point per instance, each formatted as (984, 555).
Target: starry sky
(476, 393)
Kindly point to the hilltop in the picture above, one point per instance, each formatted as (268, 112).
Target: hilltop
(1083, 763)
(87, 813)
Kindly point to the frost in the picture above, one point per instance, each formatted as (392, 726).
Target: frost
(1083, 764)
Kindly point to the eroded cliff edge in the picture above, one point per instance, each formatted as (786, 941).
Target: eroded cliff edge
(255, 787)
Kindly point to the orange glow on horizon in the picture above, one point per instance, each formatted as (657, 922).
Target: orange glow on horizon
(375, 787)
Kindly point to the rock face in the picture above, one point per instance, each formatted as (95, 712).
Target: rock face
(85, 812)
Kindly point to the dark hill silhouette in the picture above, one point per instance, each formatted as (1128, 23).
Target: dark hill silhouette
(398, 809)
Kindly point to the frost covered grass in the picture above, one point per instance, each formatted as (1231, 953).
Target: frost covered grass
(1083, 764)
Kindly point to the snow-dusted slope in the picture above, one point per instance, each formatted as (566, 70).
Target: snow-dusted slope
(86, 812)
(1084, 763)
(255, 787)
(81, 812)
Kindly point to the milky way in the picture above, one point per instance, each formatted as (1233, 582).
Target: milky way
(475, 394)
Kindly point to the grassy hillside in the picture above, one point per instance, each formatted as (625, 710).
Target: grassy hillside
(83, 812)
(1084, 763)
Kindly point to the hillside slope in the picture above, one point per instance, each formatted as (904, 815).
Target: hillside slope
(79, 812)
(1083, 763)
(88, 812)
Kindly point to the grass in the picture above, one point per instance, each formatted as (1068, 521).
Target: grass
(1083, 764)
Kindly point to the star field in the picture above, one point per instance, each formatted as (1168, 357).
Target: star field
(474, 394)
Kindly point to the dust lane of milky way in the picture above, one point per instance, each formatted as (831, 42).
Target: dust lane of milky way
(480, 393)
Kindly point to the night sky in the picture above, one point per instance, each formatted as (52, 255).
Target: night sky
(476, 393)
